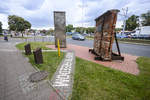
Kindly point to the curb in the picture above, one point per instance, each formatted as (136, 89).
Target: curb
(134, 43)
(65, 91)
(48, 81)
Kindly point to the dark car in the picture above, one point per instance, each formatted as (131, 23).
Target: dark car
(1, 33)
(78, 37)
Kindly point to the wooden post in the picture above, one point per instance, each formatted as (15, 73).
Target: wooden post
(27, 48)
(38, 56)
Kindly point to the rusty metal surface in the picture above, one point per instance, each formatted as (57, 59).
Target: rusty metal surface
(60, 24)
(104, 34)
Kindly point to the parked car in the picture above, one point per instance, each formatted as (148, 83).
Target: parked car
(1, 33)
(78, 37)
(69, 33)
(140, 36)
(42, 34)
(121, 36)
(134, 36)
(85, 34)
(75, 33)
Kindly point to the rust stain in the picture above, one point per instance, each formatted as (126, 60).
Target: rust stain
(104, 34)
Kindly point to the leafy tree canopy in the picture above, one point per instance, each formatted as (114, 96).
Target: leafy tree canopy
(17, 23)
(146, 19)
(83, 29)
(0, 27)
(132, 23)
(69, 28)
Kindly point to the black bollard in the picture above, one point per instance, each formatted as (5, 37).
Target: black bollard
(27, 48)
(38, 56)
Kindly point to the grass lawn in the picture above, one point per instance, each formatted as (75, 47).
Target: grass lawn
(34, 45)
(96, 82)
(51, 62)
(51, 59)
(21, 37)
(69, 36)
(134, 40)
(89, 37)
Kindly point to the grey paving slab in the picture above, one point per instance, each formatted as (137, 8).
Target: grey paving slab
(14, 73)
(63, 77)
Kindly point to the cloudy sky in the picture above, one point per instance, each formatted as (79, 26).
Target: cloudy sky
(78, 12)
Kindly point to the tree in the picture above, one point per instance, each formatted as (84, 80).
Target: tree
(0, 27)
(18, 24)
(132, 23)
(79, 29)
(50, 32)
(118, 29)
(32, 30)
(146, 19)
(43, 31)
(91, 29)
(69, 28)
(27, 25)
(83, 29)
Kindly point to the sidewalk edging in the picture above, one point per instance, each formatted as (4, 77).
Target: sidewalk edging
(62, 80)
(61, 95)
(135, 43)
(49, 82)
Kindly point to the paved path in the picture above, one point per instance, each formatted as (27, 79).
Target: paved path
(63, 77)
(14, 73)
(128, 65)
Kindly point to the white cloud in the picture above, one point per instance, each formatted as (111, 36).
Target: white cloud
(3, 19)
(40, 12)
(119, 24)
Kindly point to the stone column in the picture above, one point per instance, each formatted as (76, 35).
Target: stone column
(60, 30)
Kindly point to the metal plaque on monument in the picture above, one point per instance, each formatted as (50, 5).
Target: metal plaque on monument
(60, 30)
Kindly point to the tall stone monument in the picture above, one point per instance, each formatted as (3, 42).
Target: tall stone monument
(60, 24)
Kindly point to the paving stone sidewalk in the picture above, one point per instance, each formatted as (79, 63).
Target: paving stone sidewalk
(63, 77)
(14, 73)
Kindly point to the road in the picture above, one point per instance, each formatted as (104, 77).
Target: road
(138, 50)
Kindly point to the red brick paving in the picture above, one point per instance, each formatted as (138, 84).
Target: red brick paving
(129, 64)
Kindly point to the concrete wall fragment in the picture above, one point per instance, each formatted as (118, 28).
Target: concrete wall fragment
(104, 34)
(60, 30)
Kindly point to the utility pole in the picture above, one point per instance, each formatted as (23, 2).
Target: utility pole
(125, 12)
(83, 6)
(140, 25)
